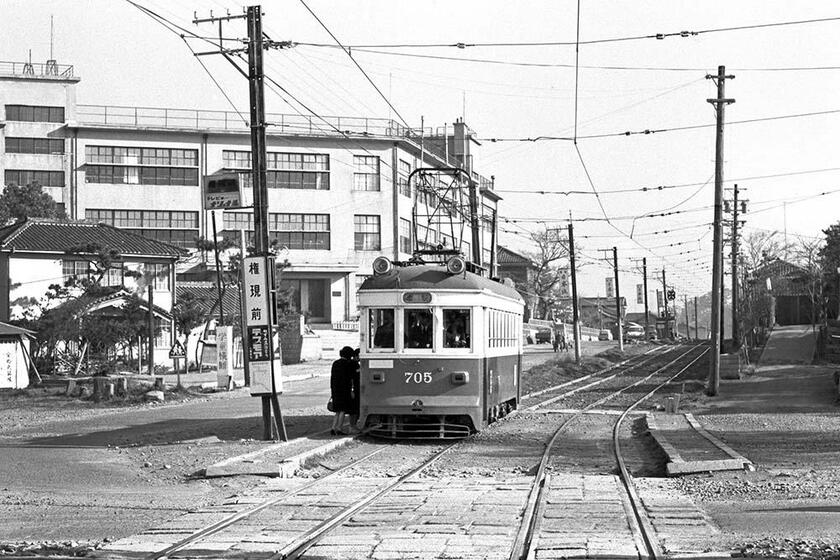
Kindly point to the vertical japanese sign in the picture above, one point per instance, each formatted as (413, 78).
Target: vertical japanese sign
(659, 300)
(8, 364)
(610, 287)
(640, 293)
(564, 282)
(224, 355)
(265, 373)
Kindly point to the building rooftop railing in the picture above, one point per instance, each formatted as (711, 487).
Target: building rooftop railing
(50, 69)
(277, 123)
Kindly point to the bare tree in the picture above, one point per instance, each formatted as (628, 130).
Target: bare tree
(552, 249)
(807, 256)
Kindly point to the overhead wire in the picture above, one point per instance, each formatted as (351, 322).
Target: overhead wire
(372, 83)
(657, 36)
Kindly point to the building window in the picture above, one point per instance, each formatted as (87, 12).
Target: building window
(405, 236)
(367, 235)
(160, 274)
(402, 178)
(113, 276)
(34, 145)
(178, 228)
(300, 231)
(74, 269)
(366, 174)
(141, 166)
(235, 221)
(34, 113)
(293, 231)
(31, 177)
(286, 170)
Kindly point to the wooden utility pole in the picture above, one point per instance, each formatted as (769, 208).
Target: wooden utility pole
(151, 324)
(644, 282)
(575, 316)
(719, 103)
(736, 331)
(696, 324)
(273, 426)
(618, 302)
(665, 303)
(687, 328)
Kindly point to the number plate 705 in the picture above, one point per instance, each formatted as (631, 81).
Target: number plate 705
(418, 376)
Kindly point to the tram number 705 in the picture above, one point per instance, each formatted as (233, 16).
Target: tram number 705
(418, 376)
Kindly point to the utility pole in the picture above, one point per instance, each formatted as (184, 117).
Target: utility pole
(717, 253)
(687, 328)
(262, 346)
(575, 316)
(696, 324)
(736, 331)
(645, 287)
(617, 299)
(618, 302)
(665, 302)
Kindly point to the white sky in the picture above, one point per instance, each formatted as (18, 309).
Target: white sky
(125, 58)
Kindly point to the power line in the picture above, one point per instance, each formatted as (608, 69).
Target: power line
(664, 187)
(659, 130)
(657, 36)
(382, 95)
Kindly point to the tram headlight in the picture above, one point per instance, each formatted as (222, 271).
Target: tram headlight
(382, 265)
(456, 264)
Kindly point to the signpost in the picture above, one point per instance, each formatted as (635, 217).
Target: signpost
(176, 353)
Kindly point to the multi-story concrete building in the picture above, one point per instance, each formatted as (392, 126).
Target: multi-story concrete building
(339, 193)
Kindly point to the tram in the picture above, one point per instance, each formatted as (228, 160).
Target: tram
(441, 350)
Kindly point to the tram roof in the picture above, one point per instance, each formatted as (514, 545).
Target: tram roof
(435, 277)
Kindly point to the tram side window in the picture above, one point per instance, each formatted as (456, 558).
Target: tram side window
(456, 325)
(418, 328)
(382, 328)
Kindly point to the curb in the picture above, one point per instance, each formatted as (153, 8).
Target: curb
(251, 464)
(677, 465)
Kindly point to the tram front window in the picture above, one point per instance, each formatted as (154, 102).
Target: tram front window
(418, 328)
(456, 325)
(382, 328)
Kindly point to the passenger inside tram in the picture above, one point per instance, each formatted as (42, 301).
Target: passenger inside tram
(418, 328)
(456, 323)
(382, 325)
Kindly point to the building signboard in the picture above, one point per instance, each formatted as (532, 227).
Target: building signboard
(640, 293)
(222, 190)
(257, 293)
(610, 287)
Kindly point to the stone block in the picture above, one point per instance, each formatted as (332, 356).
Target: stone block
(154, 396)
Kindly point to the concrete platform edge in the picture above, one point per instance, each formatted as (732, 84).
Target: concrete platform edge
(234, 466)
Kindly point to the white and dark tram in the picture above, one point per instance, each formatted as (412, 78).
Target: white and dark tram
(441, 350)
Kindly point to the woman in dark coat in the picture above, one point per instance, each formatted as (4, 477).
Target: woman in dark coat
(341, 386)
(354, 412)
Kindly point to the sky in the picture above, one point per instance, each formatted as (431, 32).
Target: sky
(515, 96)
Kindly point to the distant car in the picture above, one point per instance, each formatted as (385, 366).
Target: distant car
(634, 332)
(605, 335)
(543, 335)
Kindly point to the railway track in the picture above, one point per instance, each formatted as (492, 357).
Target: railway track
(335, 507)
(643, 534)
(600, 377)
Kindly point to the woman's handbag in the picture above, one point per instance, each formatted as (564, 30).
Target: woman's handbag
(330, 406)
